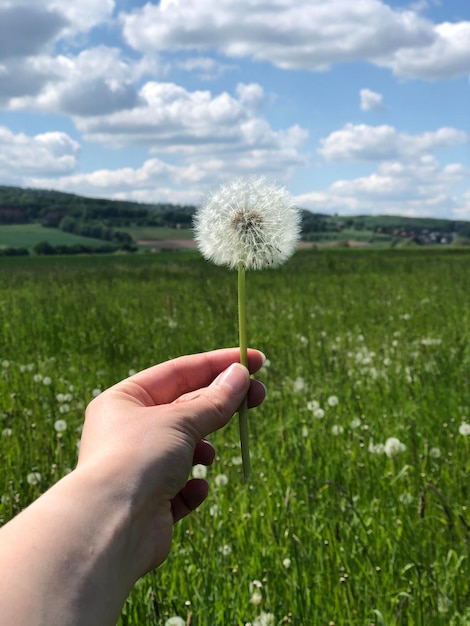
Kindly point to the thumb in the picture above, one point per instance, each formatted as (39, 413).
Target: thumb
(212, 407)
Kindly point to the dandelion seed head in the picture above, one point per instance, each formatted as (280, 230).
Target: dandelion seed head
(176, 620)
(393, 446)
(34, 478)
(247, 221)
(464, 429)
(199, 471)
(256, 598)
(60, 426)
(221, 480)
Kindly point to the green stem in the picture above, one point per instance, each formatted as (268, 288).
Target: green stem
(243, 410)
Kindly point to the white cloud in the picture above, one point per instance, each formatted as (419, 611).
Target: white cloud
(418, 188)
(360, 142)
(96, 81)
(305, 34)
(50, 154)
(371, 100)
(446, 57)
(198, 125)
(206, 68)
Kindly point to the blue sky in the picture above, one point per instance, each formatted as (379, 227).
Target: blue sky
(356, 107)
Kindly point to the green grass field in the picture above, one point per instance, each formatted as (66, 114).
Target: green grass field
(363, 346)
(28, 235)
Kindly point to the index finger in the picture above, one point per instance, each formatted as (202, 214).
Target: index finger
(167, 381)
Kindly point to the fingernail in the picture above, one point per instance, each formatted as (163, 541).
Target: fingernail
(235, 377)
(264, 358)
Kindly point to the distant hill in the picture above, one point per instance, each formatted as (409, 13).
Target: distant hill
(126, 224)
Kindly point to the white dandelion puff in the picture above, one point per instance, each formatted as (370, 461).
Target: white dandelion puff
(286, 562)
(393, 446)
(265, 619)
(332, 401)
(464, 429)
(60, 426)
(199, 471)
(376, 448)
(319, 413)
(176, 620)
(247, 224)
(313, 405)
(336, 429)
(248, 221)
(256, 598)
(221, 480)
(34, 478)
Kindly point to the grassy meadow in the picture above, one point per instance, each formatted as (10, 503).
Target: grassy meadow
(338, 526)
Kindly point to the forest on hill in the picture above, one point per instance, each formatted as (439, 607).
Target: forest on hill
(111, 221)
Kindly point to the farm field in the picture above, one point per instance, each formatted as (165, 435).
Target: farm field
(28, 235)
(358, 512)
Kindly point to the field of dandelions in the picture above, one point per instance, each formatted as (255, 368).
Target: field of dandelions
(358, 510)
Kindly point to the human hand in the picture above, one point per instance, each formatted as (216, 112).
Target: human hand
(142, 436)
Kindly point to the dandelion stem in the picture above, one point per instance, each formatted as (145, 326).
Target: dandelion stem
(243, 410)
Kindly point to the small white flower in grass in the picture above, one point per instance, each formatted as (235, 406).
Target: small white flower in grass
(393, 446)
(312, 405)
(199, 471)
(34, 478)
(47, 380)
(176, 620)
(7, 432)
(264, 619)
(64, 408)
(256, 598)
(304, 432)
(226, 550)
(464, 429)
(299, 384)
(247, 224)
(336, 429)
(220, 480)
(332, 401)
(376, 448)
(405, 498)
(319, 413)
(96, 392)
(435, 453)
(286, 562)
(60, 426)
(355, 423)
(237, 460)
(37, 378)
(5, 363)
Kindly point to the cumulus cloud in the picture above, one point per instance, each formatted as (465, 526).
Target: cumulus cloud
(419, 188)
(172, 119)
(95, 82)
(447, 56)
(305, 34)
(26, 30)
(48, 154)
(360, 142)
(371, 100)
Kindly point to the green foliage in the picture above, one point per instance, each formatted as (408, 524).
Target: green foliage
(331, 530)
